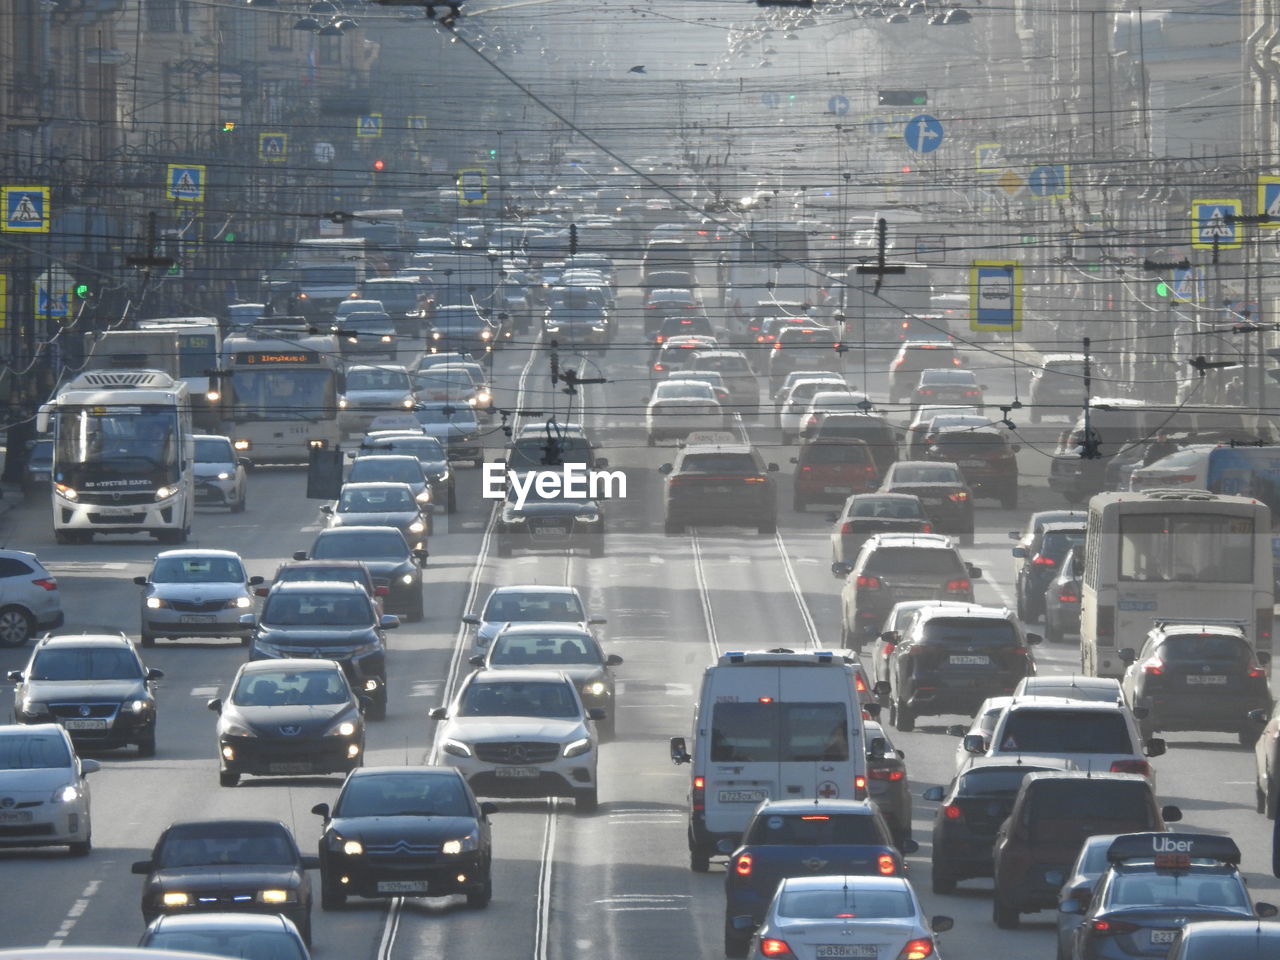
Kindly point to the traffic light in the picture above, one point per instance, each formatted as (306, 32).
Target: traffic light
(379, 166)
(903, 98)
(493, 153)
(1162, 289)
(228, 126)
(82, 291)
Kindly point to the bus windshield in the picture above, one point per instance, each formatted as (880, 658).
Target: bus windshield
(282, 394)
(116, 447)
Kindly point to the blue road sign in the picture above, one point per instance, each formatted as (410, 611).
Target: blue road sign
(1269, 201)
(923, 134)
(1212, 226)
(1049, 180)
(186, 182)
(838, 105)
(769, 99)
(1186, 286)
(57, 305)
(995, 295)
(26, 209)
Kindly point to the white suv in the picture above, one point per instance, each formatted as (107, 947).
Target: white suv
(46, 798)
(521, 733)
(29, 598)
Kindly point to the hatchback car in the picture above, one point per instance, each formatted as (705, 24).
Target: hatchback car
(912, 359)
(887, 783)
(230, 934)
(867, 514)
(372, 390)
(717, 485)
(1057, 386)
(923, 417)
(221, 475)
(802, 347)
(286, 718)
(733, 367)
(795, 401)
(366, 333)
(95, 686)
(942, 490)
(381, 505)
(195, 593)
(384, 550)
(45, 781)
(831, 471)
(29, 598)
(405, 832)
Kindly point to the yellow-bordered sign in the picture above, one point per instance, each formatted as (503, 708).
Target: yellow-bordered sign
(995, 295)
(26, 209)
(1211, 228)
(273, 147)
(473, 186)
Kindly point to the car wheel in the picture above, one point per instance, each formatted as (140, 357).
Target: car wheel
(147, 746)
(227, 778)
(304, 928)
(1004, 916)
(331, 899)
(417, 611)
(478, 899)
(1259, 799)
(239, 505)
(585, 801)
(942, 883)
(901, 716)
(670, 526)
(1020, 604)
(377, 709)
(80, 848)
(63, 537)
(1248, 735)
(16, 626)
(699, 861)
(148, 640)
(735, 944)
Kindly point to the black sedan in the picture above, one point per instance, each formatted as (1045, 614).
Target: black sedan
(431, 456)
(405, 831)
(387, 554)
(288, 717)
(549, 523)
(245, 865)
(244, 936)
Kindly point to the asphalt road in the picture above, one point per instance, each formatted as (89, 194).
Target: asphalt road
(613, 883)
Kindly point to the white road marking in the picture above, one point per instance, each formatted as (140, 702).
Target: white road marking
(542, 929)
(425, 688)
(74, 914)
(205, 691)
(704, 597)
(810, 627)
(74, 566)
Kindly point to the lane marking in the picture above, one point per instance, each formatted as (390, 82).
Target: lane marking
(810, 627)
(205, 691)
(704, 597)
(542, 928)
(74, 913)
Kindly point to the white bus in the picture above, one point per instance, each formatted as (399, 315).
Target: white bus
(1172, 555)
(122, 456)
(282, 396)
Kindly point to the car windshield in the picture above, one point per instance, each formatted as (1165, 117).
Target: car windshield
(277, 688)
(86, 663)
(923, 474)
(214, 450)
(727, 464)
(404, 795)
(548, 648)
(514, 607)
(376, 500)
(1195, 889)
(813, 829)
(838, 904)
(1066, 731)
(377, 380)
(914, 562)
(233, 843)
(518, 699)
(219, 942)
(197, 570)
(993, 783)
(889, 509)
(317, 608)
(361, 545)
(33, 751)
(366, 470)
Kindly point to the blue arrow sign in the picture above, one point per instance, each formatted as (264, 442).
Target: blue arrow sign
(1269, 201)
(1048, 181)
(838, 105)
(769, 99)
(923, 134)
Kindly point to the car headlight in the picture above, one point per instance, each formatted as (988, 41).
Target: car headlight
(417, 526)
(456, 748)
(176, 898)
(595, 689)
(342, 403)
(66, 491)
(408, 403)
(598, 328)
(514, 518)
(577, 748)
(486, 334)
(224, 476)
(163, 493)
(352, 848)
(139, 706)
(66, 794)
(483, 397)
(344, 729)
(156, 603)
(267, 649)
(34, 708)
(407, 578)
(239, 603)
(551, 328)
(435, 335)
(424, 496)
(274, 895)
(241, 444)
(386, 338)
(587, 517)
(213, 396)
(365, 649)
(464, 845)
(471, 401)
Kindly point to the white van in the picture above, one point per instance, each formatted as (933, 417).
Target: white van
(770, 725)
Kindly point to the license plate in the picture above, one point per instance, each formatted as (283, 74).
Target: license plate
(834, 489)
(743, 796)
(403, 886)
(1164, 936)
(553, 531)
(288, 768)
(969, 660)
(846, 950)
(1212, 680)
(516, 772)
(85, 724)
(15, 816)
(973, 463)
(114, 511)
(197, 618)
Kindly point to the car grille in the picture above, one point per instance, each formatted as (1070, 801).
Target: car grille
(518, 752)
(26, 830)
(83, 711)
(200, 606)
(401, 848)
(116, 499)
(124, 518)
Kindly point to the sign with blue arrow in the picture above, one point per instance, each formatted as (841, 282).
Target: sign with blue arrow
(838, 105)
(1050, 180)
(923, 134)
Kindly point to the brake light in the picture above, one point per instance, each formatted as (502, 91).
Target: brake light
(867, 583)
(1040, 560)
(1153, 667)
(1262, 627)
(887, 651)
(846, 527)
(859, 684)
(777, 346)
(755, 479)
(959, 586)
(952, 812)
(892, 775)
(925, 391)
(742, 866)
(46, 583)
(955, 361)
(811, 420)
(806, 468)
(1068, 598)
(699, 793)
(886, 864)
(972, 393)
(1256, 672)
(658, 366)
(775, 948)
(926, 528)
(960, 496)
(917, 949)
(1112, 927)
(1140, 767)
(860, 787)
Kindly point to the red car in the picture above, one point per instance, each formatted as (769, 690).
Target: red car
(831, 471)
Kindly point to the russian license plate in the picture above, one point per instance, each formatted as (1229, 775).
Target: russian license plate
(834, 489)
(973, 463)
(85, 724)
(1164, 936)
(556, 530)
(969, 660)
(743, 796)
(846, 950)
(114, 511)
(197, 618)
(293, 767)
(516, 772)
(15, 816)
(403, 886)
(1211, 680)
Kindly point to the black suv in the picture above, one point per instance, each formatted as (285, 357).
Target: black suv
(405, 831)
(950, 660)
(386, 553)
(94, 686)
(720, 484)
(335, 620)
(1041, 560)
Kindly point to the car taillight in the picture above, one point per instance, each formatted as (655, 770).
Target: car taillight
(925, 392)
(955, 361)
(886, 864)
(1040, 560)
(46, 583)
(1140, 767)
(811, 420)
(972, 393)
(777, 346)
(1262, 628)
(770, 947)
(1256, 672)
(846, 527)
(867, 583)
(1065, 597)
(699, 793)
(742, 866)
(960, 496)
(755, 479)
(1153, 667)
(859, 684)
(659, 339)
(893, 775)
(806, 468)
(959, 586)
(952, 812)
(860, 787)
(887, 651)
(1112, 927)
(926, 528)
(658, 366)
(917, 949)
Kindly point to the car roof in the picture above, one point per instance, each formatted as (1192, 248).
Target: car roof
(391, 456)
(220, 920)
(534, 588)
(811, 805)
(86, 640)
(375, 484)
(1054, 764)
(1216, 629)
(31, 729)
(197, 553)
(300, 586)
(1059, 525)
(531, 676)
(353, 529)
(1033, 702)
(1074, 680)
(972, 611)
(936, 541)
(288, 663)
(539, 627)
(1084, 776)
(420, 770)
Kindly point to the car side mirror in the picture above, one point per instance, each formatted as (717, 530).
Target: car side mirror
(726, 845)
(597, 621)
(326, 509)
(1155, 747)
(940, 924)
(299, 554)
(1034, 639)
(255, 580)
(140, 581)
(488, 808)
(244, 462)
(1171, 814)
(881, 688)
(321, 810)
(215, 704)
(309, 863)
(1264, 658)
(613, 660)
(957, 730)
(841, 569)
(598, 714)
(1265, 910)
(439, 713)
(476, 661)
(1070, 905)
(602, 463)
(421, 555)
(471, 620)
(1019, 552)
(388, 621)
(89, 766)
(665, 469)
(154, 674)
(772, 467)
(679, 752)
(16, 677)
(875, 750)
(891, 637)
(248, 620)
(744, 924)
(975, 573)
(1127, 655)
(934, 794)
(974, 743)
(1257, 716)
(141, 866)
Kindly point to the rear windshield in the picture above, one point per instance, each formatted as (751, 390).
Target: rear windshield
(993, 783)
(803, 336)
(1066, 731)
(856, 427)
(836, 904)
(814, 829)
(894, 509)
(925, 475)
(1209, 647)
(779, 732)
(1056, 545)
(970, 443)
(835, 453)
(982, 632)
(1092, 799)
(723, 364)
(1174, 890)
(914, 561)
(733, 464)
(947, 376)
(529, 453)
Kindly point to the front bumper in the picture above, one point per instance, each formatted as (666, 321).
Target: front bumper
(165, 622)
(166, 514)
(424, 873)
(213, 492)
(289, 756)
(36, 822)
(105, 725)
(559, 777)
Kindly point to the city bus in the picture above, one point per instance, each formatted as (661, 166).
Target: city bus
(123, 448)
(1172, 555)
(281, 396)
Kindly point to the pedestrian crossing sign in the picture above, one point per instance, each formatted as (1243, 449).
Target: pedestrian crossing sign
(1212, 226)
(1269, 202)
(417, 122)
(273, 147)
(369, 125)
(185, 182)
(26, 209)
